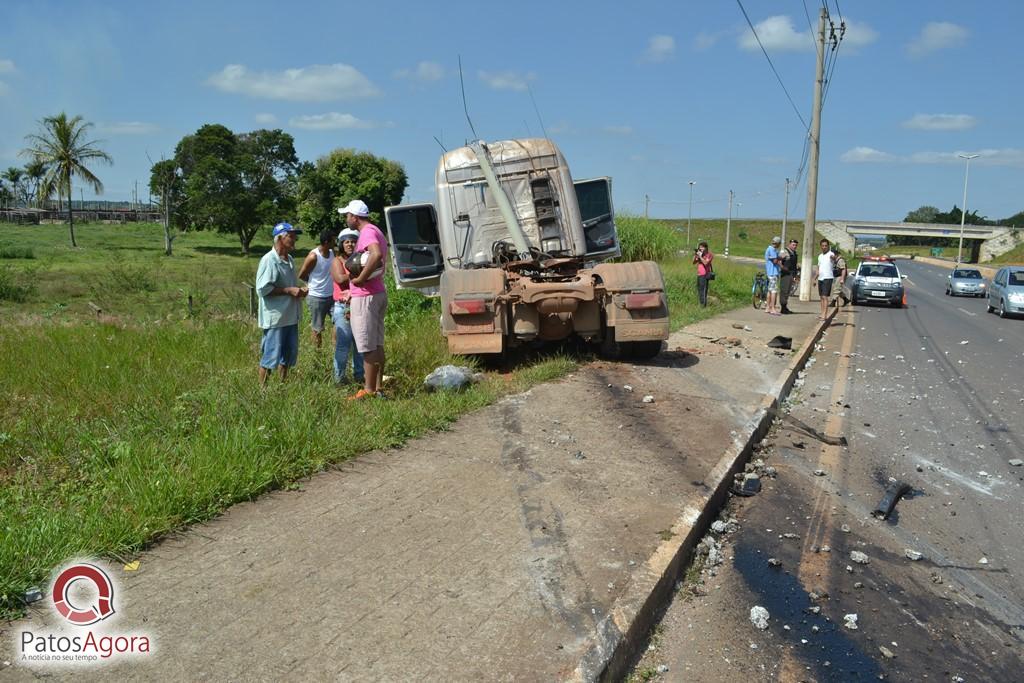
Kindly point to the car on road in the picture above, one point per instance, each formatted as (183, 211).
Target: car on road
(1006, 293)
(877, 280)
(965, 282)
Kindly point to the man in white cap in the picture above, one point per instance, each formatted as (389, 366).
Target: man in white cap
(280, 304)
(369, 298)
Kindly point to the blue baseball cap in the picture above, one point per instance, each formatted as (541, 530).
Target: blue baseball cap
(282, 228)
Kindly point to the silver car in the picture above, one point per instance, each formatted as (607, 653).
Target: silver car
(1006, 293)
(965, 282)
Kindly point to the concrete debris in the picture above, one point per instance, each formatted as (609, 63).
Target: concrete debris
(850, 621)
(1016, 462)
(886, 652)
(759, 617)
(964, 342)
(983, 560)
(858, 585)
(719, 527)
(845, 528)
(819, 473)
(912, 555)
(648, 399)
(859, 557)
(772, 562)
(662, 668)
(626, 387)
(790, 535)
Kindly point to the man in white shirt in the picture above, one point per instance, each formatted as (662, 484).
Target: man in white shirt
(824, 272)
(316, 271)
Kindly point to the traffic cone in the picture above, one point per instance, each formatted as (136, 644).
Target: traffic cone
(904, 298)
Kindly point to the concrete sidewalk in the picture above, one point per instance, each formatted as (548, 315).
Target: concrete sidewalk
(532, 541)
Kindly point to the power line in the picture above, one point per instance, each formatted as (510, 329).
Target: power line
(779, 78)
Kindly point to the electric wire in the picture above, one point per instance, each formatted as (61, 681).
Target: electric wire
(771, 64)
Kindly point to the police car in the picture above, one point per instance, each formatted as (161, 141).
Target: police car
(877, 280)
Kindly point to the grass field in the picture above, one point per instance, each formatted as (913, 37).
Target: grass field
(117, 429)
(746, 237)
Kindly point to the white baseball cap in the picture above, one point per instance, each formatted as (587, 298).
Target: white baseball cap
(356, 207)
(348, 234)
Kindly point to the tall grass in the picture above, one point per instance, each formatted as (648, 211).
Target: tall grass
(646, 240)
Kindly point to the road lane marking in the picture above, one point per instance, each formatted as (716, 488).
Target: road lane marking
(815, 571)
(961, 479)
(967, 312)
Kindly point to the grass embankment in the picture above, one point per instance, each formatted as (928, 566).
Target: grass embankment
(114, 431)
(746, 237)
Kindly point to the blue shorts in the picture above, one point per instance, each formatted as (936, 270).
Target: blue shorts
(280, 346)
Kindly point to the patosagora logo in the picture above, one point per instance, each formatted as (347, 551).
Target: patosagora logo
(83, 596)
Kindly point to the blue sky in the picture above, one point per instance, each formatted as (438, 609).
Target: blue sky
(654, 94)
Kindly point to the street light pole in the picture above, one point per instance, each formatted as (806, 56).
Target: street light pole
(728, 226)
(963, 209)
(689, 218)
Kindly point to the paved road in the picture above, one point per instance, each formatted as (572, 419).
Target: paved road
(915, 403)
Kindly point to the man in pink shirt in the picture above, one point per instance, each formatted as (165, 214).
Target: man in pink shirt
(369, 297)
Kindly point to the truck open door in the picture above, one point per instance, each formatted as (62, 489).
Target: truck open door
(415, 245)
(594, 196)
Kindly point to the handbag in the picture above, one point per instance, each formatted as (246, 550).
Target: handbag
(710, 274)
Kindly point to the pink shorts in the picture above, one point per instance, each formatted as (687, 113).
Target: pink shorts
(368, 321)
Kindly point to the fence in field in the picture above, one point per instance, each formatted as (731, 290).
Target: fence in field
(99, 215)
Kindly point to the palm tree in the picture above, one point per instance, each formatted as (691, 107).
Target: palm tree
(62, 147)
(35, 171)
(13, 175)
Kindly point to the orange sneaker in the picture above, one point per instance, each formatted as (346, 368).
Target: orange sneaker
(361, 394)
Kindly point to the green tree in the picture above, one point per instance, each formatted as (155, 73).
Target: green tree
(344, 175)
(923, 214)
(165, 183)
(5, 194)
(61, 145)
(236, 183)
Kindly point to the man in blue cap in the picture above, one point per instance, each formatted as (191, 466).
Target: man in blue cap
(280, 304)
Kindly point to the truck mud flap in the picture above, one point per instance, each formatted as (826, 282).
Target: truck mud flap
(462, 344)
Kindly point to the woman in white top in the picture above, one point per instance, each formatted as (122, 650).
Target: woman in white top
(316, 271)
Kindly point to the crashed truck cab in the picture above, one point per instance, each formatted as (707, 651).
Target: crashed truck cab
(518, 252)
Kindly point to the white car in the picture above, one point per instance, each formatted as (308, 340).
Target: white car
(878, 280)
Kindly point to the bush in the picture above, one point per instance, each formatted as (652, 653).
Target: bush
(646, 240)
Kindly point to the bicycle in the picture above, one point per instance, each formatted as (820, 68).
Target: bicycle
(759, 289)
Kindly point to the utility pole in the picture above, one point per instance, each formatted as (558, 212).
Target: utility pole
(689, 218)
(785, 215)
(728, 226)
(647, 206)
(810, 214)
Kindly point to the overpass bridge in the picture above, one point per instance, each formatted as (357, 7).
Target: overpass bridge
(982, 242)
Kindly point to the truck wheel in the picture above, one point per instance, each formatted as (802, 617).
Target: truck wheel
(609, 348)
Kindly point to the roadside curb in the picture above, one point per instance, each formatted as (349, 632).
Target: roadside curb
(620, 634)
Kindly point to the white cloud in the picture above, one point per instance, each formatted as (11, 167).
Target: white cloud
(425, 72)
(937, 35)
(265, 119)
(861, 155)
(660, 48)
(506, 80)
(333, 121)
(1006, 156)
(777, 34)
(858, 34)
(317, 83)
(7, 66)
(940, 122)
(619, 130)
(128, 128)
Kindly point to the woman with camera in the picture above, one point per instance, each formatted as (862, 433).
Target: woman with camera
(702, 257)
